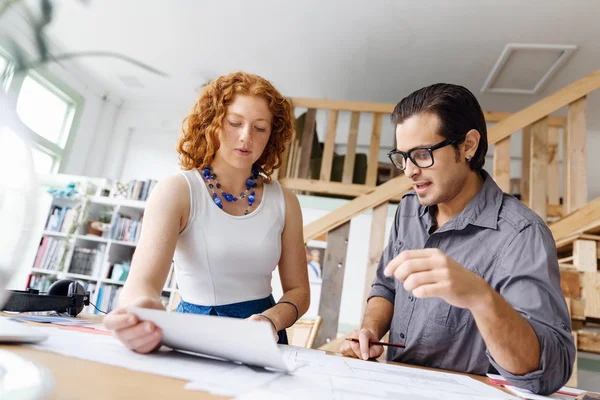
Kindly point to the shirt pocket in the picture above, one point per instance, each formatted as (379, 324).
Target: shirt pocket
(441, 313)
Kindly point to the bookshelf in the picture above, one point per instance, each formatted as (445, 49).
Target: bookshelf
(98, 262)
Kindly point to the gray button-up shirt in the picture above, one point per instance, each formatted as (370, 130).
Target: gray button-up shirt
(506, 243)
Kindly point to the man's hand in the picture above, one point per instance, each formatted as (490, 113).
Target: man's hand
(262, 318)
(430, 273)
(361, 349)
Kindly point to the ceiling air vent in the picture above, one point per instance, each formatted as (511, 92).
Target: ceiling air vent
(131, 81)
(525, 68)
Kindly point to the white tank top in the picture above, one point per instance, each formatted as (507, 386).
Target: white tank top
(224, 259)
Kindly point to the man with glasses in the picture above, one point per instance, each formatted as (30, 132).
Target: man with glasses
(469, 280)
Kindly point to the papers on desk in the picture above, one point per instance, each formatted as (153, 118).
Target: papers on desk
(317, 376)
(322, 376)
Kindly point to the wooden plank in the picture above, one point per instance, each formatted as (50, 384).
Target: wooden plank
(576, 166)
(318, 186)
(333, 280)
(553, 174)
(565, 260)
(538, 173)
(497, 116)
(577, 309)
(573, 380)
(570, 284)
(350, 156)
(566, 244)
(343, 105)
(388, 108)
(567, 266)
(283, 169)
(588, 341)
(502, 164)
(329, 146)
(554, 210)
(526, 165)
(544, 107)
(380, 194)
(373, 162)
(376, 245)
(585, 255)
(585, 219)
(591, 294)
(307, 141)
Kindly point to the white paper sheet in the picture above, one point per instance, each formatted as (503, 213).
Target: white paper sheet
(249, 342)
(108, 350)
(333, 377)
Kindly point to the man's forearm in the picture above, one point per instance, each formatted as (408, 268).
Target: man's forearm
(378, 316)
(510, 339)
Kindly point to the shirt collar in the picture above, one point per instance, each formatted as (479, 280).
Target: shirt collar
(483, 209)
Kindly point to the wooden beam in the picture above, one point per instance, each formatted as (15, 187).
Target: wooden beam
(381, 194)
(374, 150)
(318, 186)
(544, 107)
(585, 255)
(376, 245)
(538, 173)
(576, 164)
(577, 309)
(307, 141)
(553, 174)
(566, 244)
(570, 284)
(388, 108)
(343, 105)
(588, 341)
(526, 166)
(502, 164)
(573, 380)
(329, 146)
(582, 220)
(497, 116)
(333, 281)
(591, 294)
(350, 157)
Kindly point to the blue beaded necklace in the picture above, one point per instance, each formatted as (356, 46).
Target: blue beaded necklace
(228, 197)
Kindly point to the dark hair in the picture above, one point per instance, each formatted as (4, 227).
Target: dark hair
(458, 111)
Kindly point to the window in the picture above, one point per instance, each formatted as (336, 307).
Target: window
(4, 72)
(47, 109)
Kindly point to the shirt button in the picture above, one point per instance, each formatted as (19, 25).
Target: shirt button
(402, 336)
(563, 325)
(410, 298)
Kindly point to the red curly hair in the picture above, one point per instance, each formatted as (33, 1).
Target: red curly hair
(199, 140)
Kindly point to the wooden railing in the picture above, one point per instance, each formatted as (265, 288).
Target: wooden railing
(539, 182)
(294, 173)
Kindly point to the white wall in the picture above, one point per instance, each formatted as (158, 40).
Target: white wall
(100, 108)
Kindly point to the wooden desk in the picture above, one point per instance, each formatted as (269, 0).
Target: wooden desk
(79, 379)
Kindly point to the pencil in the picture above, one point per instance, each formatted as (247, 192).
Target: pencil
(379, 343)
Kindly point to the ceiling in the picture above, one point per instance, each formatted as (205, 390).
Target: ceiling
(367, 50)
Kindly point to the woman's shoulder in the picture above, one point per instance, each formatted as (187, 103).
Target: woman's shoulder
(171, 188)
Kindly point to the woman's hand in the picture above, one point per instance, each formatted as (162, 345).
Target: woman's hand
(141, 337)
(262, 318)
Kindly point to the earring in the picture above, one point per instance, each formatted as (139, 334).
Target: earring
(469, 158)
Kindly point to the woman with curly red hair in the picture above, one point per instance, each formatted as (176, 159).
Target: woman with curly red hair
(223, 220)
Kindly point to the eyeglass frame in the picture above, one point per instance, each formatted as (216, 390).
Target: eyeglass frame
(407, 156)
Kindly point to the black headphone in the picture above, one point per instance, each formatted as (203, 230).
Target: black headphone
(63, 296)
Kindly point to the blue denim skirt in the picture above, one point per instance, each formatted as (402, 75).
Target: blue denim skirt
(235, 310)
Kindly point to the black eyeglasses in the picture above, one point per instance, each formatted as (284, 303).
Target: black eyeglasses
(422, 157)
